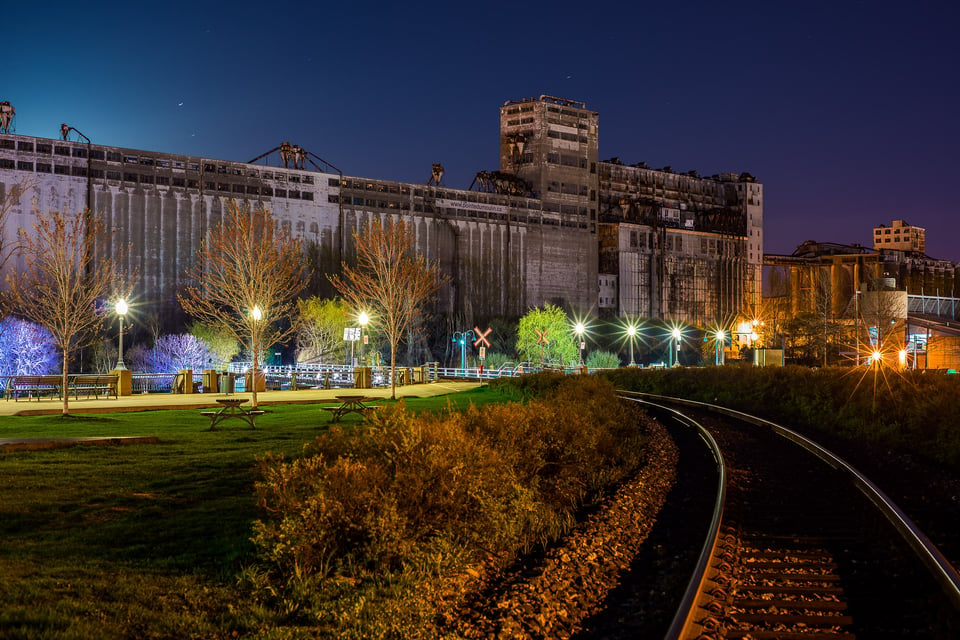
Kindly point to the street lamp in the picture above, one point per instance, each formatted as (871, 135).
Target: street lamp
(257, 316)
(631, 332)
(718, 358)
(363, 319)
(856, 323)
(460, 337)
(579, 329)
(675, 335)
(121, 309)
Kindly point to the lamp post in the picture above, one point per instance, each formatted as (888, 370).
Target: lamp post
(579, 329)
(460, 337)
(363, 319)
(121, 309)
(675, 336)
(718, 358)
(257, 316)
(856, 323)
(631, 332)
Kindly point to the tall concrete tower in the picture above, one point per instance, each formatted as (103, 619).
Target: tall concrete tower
(552, 144)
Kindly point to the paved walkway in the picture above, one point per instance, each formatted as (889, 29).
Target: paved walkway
(157, 401)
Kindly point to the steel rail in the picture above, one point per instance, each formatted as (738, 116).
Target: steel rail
(939, 567)
(683, 620)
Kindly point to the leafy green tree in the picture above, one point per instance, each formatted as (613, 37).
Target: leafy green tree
(561, 345)
(222, 347)
(320, 338)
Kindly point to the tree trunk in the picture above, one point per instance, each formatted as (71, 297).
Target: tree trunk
(64, 388)
(393, 370)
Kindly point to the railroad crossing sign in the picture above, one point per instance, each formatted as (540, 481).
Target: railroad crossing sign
(542, 336)
(481, 337)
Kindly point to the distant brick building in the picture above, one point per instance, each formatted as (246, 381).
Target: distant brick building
(900, 236)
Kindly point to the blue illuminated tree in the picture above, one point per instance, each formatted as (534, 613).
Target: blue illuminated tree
(26, 349)
(172, 353)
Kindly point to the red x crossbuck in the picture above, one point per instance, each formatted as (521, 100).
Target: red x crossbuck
(481, 337)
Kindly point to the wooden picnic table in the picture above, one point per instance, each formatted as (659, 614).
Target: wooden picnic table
(232, 408)
(351, 403)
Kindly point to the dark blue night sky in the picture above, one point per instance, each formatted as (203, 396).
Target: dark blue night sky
(845, 111)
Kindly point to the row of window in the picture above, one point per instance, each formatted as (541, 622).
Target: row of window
(359, 185)
(889, 240)
(905, 230)
(527, 108)
(165, 181)
(516, 122)
(566, 112)
(547, 207)
(571, 189)
(404, 190)
(569, 137)
(524, 108)
(566, 160)
(116, 156)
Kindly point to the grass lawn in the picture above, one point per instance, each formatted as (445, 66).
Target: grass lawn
(142, 541)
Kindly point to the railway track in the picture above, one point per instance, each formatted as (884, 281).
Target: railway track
(801, 546)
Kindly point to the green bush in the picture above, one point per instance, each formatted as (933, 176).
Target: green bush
(911, 411)
(495, 360)
(533, 385)
(602, 360)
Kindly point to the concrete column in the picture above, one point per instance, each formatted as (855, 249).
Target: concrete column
(124, 381)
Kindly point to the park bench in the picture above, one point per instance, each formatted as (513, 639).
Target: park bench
(94, 384)
(33, 386)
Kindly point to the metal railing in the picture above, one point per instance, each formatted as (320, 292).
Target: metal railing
(939, 306)
(332, 376)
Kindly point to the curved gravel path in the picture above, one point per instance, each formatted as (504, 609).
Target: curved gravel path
(551, 599)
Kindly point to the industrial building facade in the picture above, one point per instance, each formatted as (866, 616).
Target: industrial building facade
(889, 298)
(554, 224)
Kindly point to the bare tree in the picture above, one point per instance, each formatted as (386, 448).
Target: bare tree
(247, 276)
(392, 281)
(63, 285)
